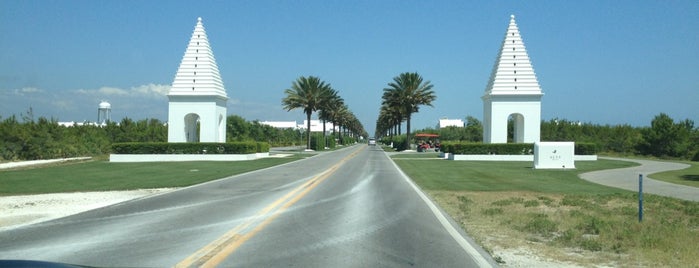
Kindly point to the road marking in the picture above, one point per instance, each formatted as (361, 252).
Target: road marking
(465, 245)
(217, 251)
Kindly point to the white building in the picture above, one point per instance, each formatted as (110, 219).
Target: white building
(444, 122)
(512, 92)
(73, 123)
(280, 124)
(317, 126)
(197, 98)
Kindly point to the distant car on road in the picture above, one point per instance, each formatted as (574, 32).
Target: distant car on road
(372, 142)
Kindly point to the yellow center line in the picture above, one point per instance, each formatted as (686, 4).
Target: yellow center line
(217, 251)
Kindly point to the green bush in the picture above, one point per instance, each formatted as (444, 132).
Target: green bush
(399, 143)
(318, 143)
(507, 148)
(347, 140)
(541, 224)
(488, 148)
(331, 141)
(190, 148)
(585, 148)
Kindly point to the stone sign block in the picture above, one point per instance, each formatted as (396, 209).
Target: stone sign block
(554, 155)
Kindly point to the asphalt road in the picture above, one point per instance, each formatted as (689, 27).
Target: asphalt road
(347, 208)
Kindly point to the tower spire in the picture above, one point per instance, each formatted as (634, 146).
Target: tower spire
(513, 72)
(198, 72)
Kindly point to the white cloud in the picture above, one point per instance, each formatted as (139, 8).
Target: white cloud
(30, 90)
(112, 91)
(63, 105)
(104, 91)
(21, 91)
(149, 91)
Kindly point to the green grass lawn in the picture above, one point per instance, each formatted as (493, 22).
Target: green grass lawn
(106, 176)
(505, 176)
(688, 176)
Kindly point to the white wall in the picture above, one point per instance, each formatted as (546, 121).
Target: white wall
(496, 111)
(212, 117)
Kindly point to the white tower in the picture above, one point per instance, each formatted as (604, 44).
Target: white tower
(104, 113)
(512, 92)
(197, 99)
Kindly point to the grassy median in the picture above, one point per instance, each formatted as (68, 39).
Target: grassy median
(555, 215)
(688, 176)
(106, 176)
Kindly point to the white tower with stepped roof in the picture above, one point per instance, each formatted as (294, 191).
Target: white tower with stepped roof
(197, 98)
(512, 92)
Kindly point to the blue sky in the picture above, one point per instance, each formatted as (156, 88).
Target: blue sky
(605, 62)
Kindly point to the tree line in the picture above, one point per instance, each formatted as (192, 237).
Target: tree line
(311, 94)
(29, 139)
(664, 138)
(43, 138)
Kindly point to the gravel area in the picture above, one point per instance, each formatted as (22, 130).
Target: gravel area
(21, 210)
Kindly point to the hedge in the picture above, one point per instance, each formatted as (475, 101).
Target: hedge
(507, 148)
(488, 148)
(190, 148)
(585, 148)
(318, 144)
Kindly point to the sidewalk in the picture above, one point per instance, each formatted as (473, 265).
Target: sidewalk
(38, 162)
(627, 178)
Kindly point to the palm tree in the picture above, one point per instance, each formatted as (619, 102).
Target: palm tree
(328, 109)
(408, 92)
(307, 94)
(341, 118)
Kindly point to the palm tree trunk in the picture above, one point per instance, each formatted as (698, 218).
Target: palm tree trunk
(339, 133)
(407, 132)
(308, 131)
(324, 138)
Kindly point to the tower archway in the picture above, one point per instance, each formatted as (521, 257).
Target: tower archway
(192, 127)
(515, 128)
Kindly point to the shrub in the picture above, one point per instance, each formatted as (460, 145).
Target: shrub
(541, 224)
(488, 148)
(317, 142)
(507, 148)
(585, 148)
(492, 211)
(399, 143)
(190, 148)
(531, 203)
(575, 201)
(507, 202)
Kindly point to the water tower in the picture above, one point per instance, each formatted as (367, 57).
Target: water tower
(104, 113)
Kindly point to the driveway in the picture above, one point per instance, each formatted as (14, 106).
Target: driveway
(627, 178)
